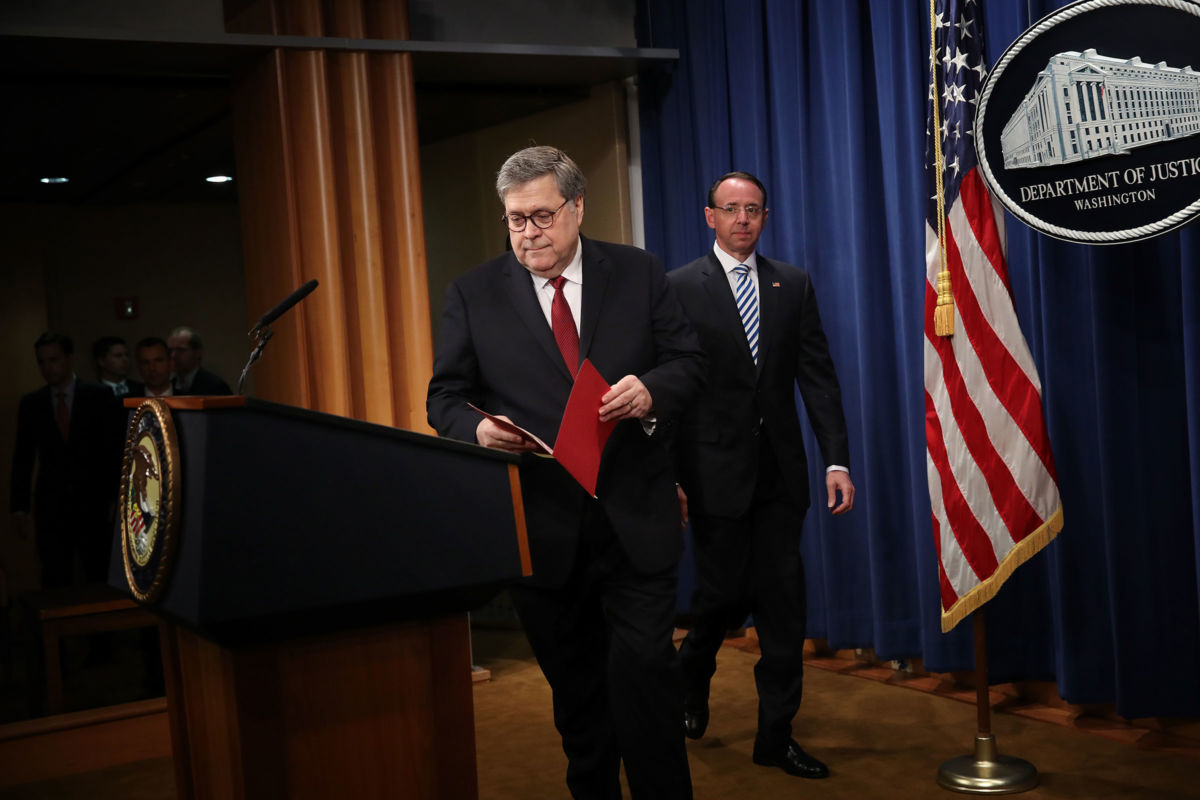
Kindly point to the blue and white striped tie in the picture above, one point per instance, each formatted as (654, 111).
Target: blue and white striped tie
(747, 303)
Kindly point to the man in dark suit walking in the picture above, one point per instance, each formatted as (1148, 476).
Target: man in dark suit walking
(599, 609)
(743, 472)
(72, 430)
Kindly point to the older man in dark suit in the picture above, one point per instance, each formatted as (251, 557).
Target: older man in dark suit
(73, 431)
(599, 609)
(742, 462)
(187, 353)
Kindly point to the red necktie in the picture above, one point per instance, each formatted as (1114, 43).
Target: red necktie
(63, 415)
(564, 326)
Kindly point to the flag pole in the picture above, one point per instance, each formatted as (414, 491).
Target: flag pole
(985, 772)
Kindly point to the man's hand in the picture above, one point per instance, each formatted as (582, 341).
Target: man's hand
(489, 434)
(683, 515)
(627, 399)
(839, 481)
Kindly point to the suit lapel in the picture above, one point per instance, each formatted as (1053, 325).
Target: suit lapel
(596, 273)
(519, 288)
(768, 306)
(43, 405)
(716, 283)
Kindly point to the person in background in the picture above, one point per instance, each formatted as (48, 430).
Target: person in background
(111, 355)
(69, 429)
(187, 353)
(154, 365)
(742, 466)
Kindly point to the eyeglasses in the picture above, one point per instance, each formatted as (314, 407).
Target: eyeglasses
(541, 219)
(752, 212)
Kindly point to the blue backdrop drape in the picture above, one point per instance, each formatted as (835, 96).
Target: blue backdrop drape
(825, 101)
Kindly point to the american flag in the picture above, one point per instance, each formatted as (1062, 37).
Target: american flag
(992, 482)
(136, 523)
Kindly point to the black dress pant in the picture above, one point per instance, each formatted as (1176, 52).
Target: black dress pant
(603, 641)
(751, 565)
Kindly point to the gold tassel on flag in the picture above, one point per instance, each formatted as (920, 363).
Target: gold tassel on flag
(943, 314)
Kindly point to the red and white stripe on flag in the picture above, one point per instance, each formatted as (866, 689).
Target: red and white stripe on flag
(136, 523)
(992, 481)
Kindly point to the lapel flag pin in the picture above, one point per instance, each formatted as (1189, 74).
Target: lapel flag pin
(775, 284)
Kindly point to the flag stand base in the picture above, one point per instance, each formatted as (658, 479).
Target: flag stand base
(987, 772)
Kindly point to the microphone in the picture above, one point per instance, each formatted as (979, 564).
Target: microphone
(289, 301)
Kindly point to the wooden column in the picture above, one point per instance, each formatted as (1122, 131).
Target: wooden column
(329, 188)
(257, 728)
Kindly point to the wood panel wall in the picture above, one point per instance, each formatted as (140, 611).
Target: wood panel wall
(329, 186)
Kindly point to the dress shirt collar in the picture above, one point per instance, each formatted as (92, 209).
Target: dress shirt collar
(185, 381)
(573, 272)
(67, 391)
(728, 262)
(119, 388)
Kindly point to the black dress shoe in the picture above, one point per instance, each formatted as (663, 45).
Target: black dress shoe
(695, 721)
(792, 760)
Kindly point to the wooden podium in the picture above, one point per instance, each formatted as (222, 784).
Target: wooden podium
(317, 643)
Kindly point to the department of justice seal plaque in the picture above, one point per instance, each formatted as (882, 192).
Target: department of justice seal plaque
(1088, 127)
(150, 490)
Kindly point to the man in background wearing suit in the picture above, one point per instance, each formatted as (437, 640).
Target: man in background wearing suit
(111, 355)
(73, 431)
(154, 365)
(599, 609)
(187, 351)
(743, 473)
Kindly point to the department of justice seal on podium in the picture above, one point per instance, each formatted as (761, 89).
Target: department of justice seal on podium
(150, 490)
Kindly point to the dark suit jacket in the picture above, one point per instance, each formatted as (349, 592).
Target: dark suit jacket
(717, 444)
(496, 350)
(207, 383)
(77, 477)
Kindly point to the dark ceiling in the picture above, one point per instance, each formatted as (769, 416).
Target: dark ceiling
(147, 121)
(118, 139)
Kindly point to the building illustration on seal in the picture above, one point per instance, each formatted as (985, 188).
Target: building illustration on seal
(1085, 105)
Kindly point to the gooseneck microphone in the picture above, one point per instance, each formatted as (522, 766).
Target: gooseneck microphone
(262, 334)
(289, 301)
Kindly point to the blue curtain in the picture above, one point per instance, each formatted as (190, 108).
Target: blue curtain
(825, 101)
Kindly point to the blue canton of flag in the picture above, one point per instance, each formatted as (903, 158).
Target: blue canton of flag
(959, 68)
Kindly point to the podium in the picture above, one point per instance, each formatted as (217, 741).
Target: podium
(316, 641)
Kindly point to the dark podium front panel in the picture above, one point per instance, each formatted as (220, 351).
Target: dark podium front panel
(296, 522)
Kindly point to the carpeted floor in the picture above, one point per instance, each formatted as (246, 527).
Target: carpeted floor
(880, 741)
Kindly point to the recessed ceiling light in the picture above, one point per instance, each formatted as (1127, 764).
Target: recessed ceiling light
(218, 179)
(56, 180)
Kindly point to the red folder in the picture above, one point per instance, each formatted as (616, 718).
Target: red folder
(581, 434)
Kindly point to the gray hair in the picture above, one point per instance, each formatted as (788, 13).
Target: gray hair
(532, 163)
(191, 333)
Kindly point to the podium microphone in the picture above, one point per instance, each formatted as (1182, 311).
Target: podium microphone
(279, 310)
(263, 333)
